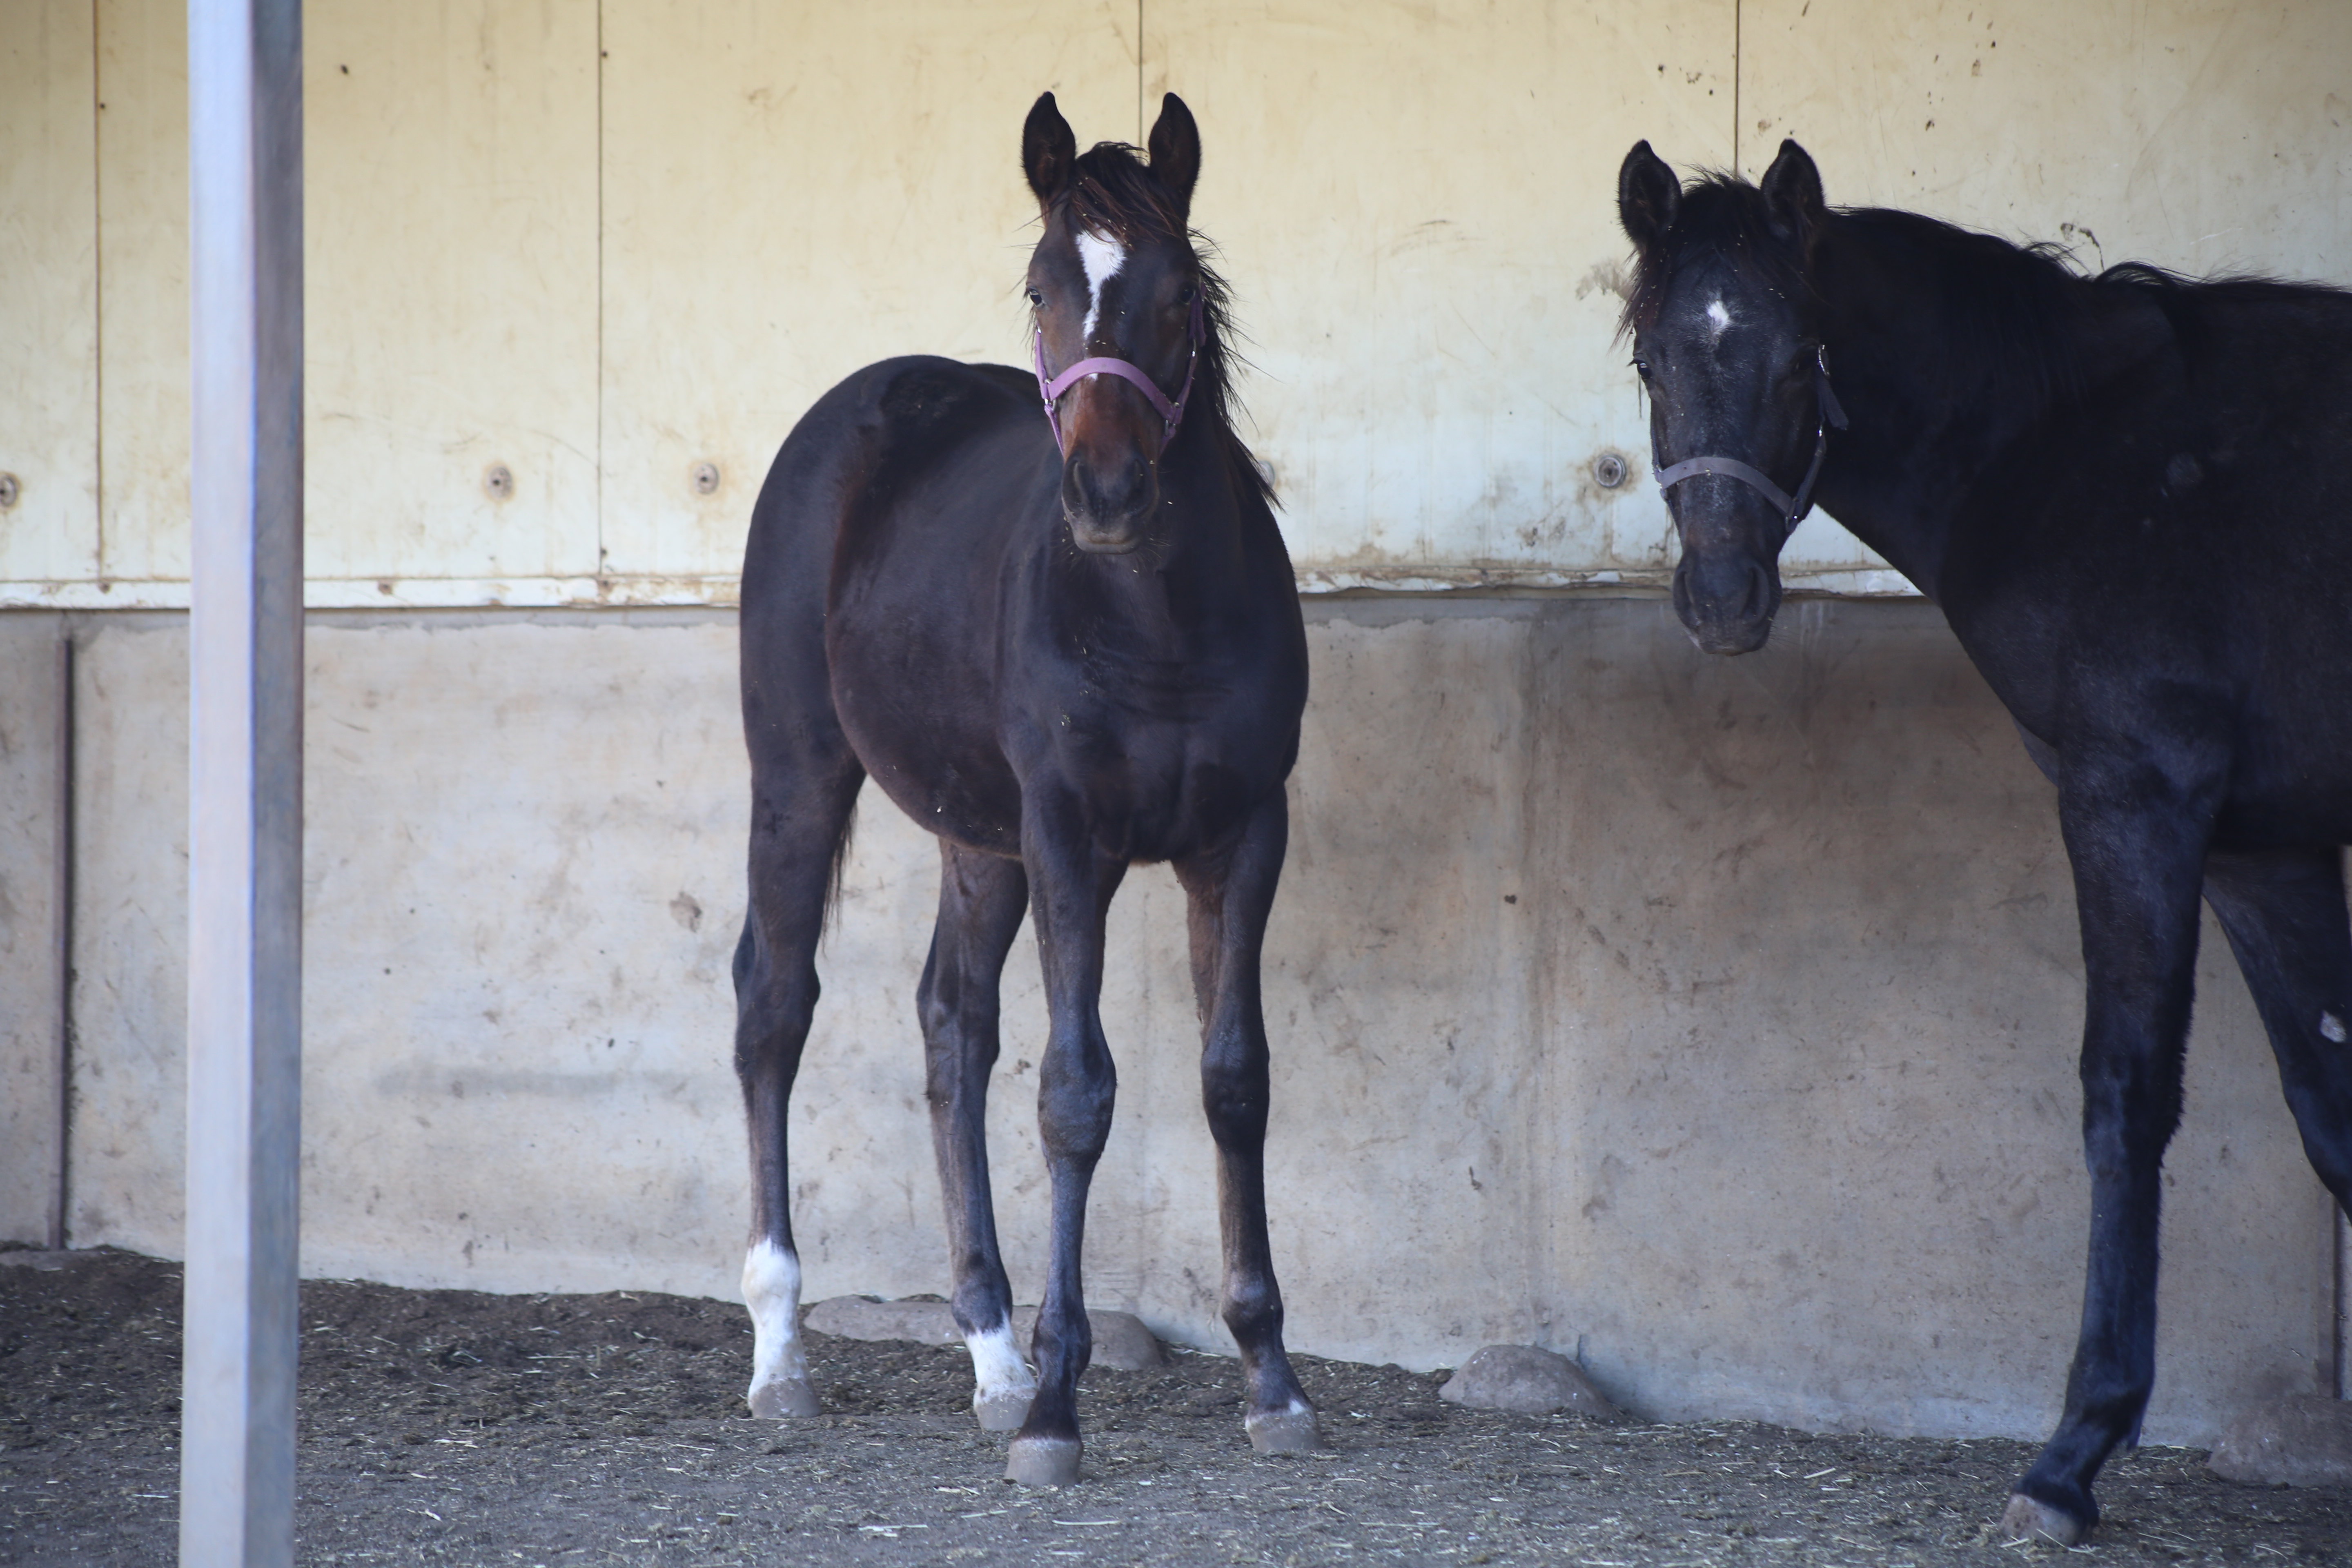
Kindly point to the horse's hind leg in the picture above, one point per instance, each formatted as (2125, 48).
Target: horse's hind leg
(981, 900)
(1231, 895)
(2284, 915)
(800, 820)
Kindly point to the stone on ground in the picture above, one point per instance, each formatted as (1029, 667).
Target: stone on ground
(1528, 1380)
(2302, 1440)
(1120, 1339)
(856, 1317)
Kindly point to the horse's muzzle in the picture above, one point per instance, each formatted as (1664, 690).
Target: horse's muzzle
(1108, 512)
(1727, 605)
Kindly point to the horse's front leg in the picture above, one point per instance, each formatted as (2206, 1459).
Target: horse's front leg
(2136, 834)
(1231, 894)
(981, 900)
(1070, 888)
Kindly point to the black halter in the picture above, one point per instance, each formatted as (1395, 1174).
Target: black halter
(1828, 415)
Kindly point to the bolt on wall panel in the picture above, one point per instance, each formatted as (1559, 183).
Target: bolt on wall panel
(792, 193)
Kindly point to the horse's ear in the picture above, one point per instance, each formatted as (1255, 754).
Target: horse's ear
(1648, 195)
(1175, 147)
(1792, 195)
(1048, 150)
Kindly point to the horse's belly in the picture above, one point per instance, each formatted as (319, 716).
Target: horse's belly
(950, 806)
(925, 746)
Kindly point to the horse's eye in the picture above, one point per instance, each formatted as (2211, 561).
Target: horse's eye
(1036, 300)
(1184, 295)
(1640, 367)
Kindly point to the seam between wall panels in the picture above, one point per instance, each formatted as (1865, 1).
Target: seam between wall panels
(1738, 66)
(97, 296)
(601, 564)
(62, 927)
(1139, 72)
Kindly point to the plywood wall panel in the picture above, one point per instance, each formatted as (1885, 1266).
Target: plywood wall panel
(2196, 134)
(790, 192)
(450, 214)
(142, 203)
(48, 290)
(605, 245)
(1417, 207)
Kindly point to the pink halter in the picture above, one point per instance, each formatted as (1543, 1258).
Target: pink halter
(1051, 389)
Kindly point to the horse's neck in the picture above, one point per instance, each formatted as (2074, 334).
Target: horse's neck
(1159, 600)
(1929, 415)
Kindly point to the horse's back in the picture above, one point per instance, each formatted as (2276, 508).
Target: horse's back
(893, 426)
(2185, 551)
(880, 425)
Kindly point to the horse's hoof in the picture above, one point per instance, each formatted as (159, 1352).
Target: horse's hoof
(786, 1398)
(1042, 1461)
(1291, 1431)
(2027, 1520)
(1001, 1412)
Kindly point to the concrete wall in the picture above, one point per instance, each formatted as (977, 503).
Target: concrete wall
(33, 746)
(1713, 1019)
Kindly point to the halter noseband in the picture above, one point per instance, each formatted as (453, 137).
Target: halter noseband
(1051, 389)
(1828, 415)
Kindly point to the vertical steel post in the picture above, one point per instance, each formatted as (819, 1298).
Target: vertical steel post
(245, 783)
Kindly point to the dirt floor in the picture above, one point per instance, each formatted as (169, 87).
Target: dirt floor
(447, 1428)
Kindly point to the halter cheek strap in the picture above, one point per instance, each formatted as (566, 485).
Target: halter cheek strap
(1828, 415)
(1051, 388)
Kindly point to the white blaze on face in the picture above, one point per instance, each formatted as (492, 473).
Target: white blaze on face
(771, 1288)
(997, 1368)
(1102, 258)
(2332, 1026)
(1718, 320)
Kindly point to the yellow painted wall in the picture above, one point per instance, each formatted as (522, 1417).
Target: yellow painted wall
(48, 305)
(792, 192)
(602, 245)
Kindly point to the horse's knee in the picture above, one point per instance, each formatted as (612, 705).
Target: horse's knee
(1075, 1102)
(1235, 1093)
(1065, 1339)
(772, 1012)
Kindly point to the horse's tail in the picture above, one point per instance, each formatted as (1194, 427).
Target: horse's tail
(840, 872)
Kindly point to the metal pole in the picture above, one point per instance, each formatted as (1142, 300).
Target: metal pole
(245, 783)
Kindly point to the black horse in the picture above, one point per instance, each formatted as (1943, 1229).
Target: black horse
(1061, 662)
(2132, 496)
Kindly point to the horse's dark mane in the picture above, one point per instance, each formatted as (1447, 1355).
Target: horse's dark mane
(2011, 312)
(1113, 192)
